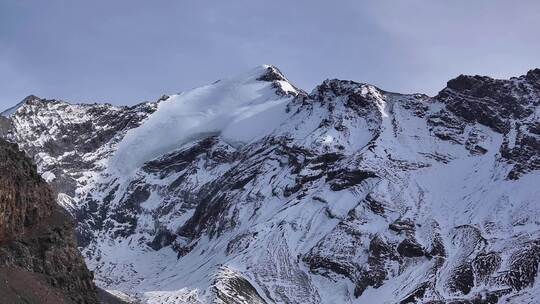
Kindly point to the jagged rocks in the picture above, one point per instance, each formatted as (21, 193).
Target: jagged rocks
(522, 150)
(485, 264)
(484, 100)
(24, 197)
(344, 179)
(376, 271)
(72, 136)
(410, 248)
(505, 106)
(37, 243)
(524, 266)
(462, 279)
(399, 225)
(231, 288)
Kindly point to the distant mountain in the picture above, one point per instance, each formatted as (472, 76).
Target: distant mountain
(250, 190)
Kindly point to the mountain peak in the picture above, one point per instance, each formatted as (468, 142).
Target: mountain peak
(533, 76)
(10, 111)
(355, 95)
(30, 98)
(467, 82)
(489, 101)
(271, 73)
(239, 108)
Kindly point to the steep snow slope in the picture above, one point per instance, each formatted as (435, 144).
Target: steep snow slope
(252, 191)
(240, 109)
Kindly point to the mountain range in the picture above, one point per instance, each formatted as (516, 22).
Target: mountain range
(251, 190)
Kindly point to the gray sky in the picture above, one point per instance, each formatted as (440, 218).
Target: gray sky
(125, 52)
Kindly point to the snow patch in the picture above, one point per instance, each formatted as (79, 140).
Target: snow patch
(67, 202)
(48, 176)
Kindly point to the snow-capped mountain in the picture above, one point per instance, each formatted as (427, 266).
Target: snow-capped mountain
(250, 190)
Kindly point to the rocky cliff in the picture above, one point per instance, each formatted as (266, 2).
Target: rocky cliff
(39, 259)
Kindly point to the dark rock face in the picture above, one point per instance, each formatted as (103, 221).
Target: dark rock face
(524, 266)
(462, 279)
(381, 255)
(524, 155)
(5, 126)
(234, 289)
(485, 265)
(355, 96)
(37, 241)
(274, 75)
(410, 248)
(25, 198)
(505, 106)
(484, 100)
(344, 179)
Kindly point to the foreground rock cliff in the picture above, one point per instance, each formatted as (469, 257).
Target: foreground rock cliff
(39, 259)
(250, 190)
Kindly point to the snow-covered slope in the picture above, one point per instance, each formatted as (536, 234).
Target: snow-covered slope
(69, 142)
(240, 109)
(250, 190)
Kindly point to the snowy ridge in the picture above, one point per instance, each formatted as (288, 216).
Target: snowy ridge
(11, 111)
(239, 109)
(70, 142)
(250, 190)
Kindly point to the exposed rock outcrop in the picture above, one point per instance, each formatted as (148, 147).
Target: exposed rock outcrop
(39, 259)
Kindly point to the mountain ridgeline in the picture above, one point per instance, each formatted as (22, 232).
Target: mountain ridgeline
(251, 190)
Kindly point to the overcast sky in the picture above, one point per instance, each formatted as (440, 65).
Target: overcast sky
(125, 52)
